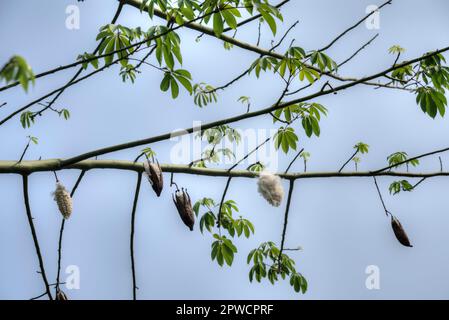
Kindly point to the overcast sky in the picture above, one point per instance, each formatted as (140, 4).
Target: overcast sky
(339, 223)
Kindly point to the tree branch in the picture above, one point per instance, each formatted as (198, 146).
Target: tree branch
(353, 27)
(238, 43)
(411, 159)
(381, 198)
(28, 167)
(240, 117)
(344, 164)
(61, 231)
(284, 231)
(46, 73)
(59, 90)
(133, 218)
(34, 235)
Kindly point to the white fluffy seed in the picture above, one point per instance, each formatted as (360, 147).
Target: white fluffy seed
(270, 187)
(63, 199)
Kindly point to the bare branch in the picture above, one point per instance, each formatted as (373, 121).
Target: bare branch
(133, 218)
(353, 27)
(34, 235)
(284, 230)
(61, 231)
(381, 198)
(344, 164)
(293, 161)
(411, 159)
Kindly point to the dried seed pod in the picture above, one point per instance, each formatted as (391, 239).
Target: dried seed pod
(63, 199)
(399, 232)
(60, 295)
(154, 174)
(270, 187)
(182, 201)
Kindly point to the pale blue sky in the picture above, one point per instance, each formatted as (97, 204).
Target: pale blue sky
(339, 222)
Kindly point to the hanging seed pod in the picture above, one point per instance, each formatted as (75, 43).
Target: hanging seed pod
(399, 232)
(270, 187)
(60, 295)
(154, 174)
(182, 201)
(63, 199)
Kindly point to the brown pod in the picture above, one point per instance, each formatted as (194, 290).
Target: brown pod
(182, 201)
(60, 295)
(154, 174)
(399, 232)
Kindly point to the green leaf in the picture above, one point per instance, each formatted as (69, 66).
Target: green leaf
(218, 24)
(34, 140)
(17, 69)
(431, 101)
(26, 119)
(168, 57)
(183, 76)
(165, 84)
(65, 113)
(229, 18)
(362, 147)
(270, 20)
(228, 255)
(174, 88)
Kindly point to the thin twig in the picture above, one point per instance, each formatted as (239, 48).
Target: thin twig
(381, 198)
(39, 296)
(24, 150)
(344, 164)
(294, 159)
(133, 218)
(284, 230)
(172, 181)
(411, 159)
(61, 230)
(418, 183)
(353, 27)
(358, 51)
(284, 36)
(34, 235)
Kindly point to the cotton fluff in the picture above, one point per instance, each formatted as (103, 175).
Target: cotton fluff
(270, 187)
(63, 199)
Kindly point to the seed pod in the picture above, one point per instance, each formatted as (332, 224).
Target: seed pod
(270, 187)
(399, 232)
(154, 174)
(182, 201)
(63, 199)
(60, 295)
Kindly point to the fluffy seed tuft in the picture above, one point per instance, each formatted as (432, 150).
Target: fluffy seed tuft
(63, 199)
(270, 187)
